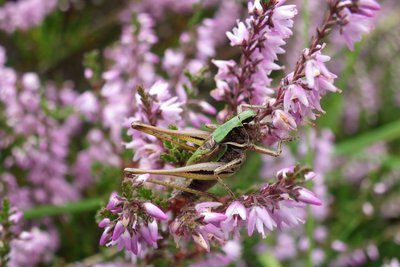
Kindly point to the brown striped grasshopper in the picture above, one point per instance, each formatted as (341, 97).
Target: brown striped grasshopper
(216, 155)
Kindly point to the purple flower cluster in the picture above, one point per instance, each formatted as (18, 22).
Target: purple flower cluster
(276, 206)
(356, 20)
(31, 248)
(300, 94)
(155, 107)
(230, 254)
(24, 14)
(357, 257)
(127, 73)
(27, 248)
(135, 227)
(41, 138)
(261, 38)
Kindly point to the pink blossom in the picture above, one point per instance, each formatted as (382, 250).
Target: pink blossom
(24, 14)
(358, 21)
(235, 213)
(32, 248)
(260, 219)
(154, 211)
(131, 231)
(239, 34)
(308, 197)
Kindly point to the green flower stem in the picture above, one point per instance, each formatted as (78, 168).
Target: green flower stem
(388, 132)
(69, 208)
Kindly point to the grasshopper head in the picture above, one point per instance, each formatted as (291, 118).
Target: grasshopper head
(136, 125)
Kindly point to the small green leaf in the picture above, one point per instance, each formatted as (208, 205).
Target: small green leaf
(168, 145)
(145, 193)
(168, 158)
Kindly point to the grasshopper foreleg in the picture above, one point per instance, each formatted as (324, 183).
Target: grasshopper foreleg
(266, 151)
(230, 167)
(226, 187)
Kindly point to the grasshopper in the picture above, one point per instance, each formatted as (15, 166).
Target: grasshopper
(216, 155)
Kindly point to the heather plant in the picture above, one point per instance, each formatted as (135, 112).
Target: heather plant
(199, 133)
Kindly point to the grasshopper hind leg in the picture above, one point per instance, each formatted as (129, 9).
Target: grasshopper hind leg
(175, 186)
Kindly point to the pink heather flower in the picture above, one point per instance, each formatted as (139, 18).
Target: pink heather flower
(318, 256)
(221, 90)
(231, 252)
(391, 263)
(284, 172)
(163, 103)
(283, 16)
(368, 6)
(295, 99)
(356, 26)
(224, 69)
(201, 224)
(118, 230)
(315, 66)
(114, 203)
(290, 214)
(204, 209)
(24, 14)
(308, 197)
(309, 176)
(283, 121)
(173, 60)
(301, 97)
(32, 248)
(88, 73)
(239, 34)
(235, 213)
(160, 90)
(131, 230)
(285, 247)
(207, 108)
(255, 7)
(88, 105)
(357, 20)
(249, 80)
(31, 81)
(339, 246)
(372, 252)
(260, 219)
(154, 211)
(104, 222)
(207, 233)
(16, 216)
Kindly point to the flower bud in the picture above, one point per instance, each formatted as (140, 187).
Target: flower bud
(154, 211)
